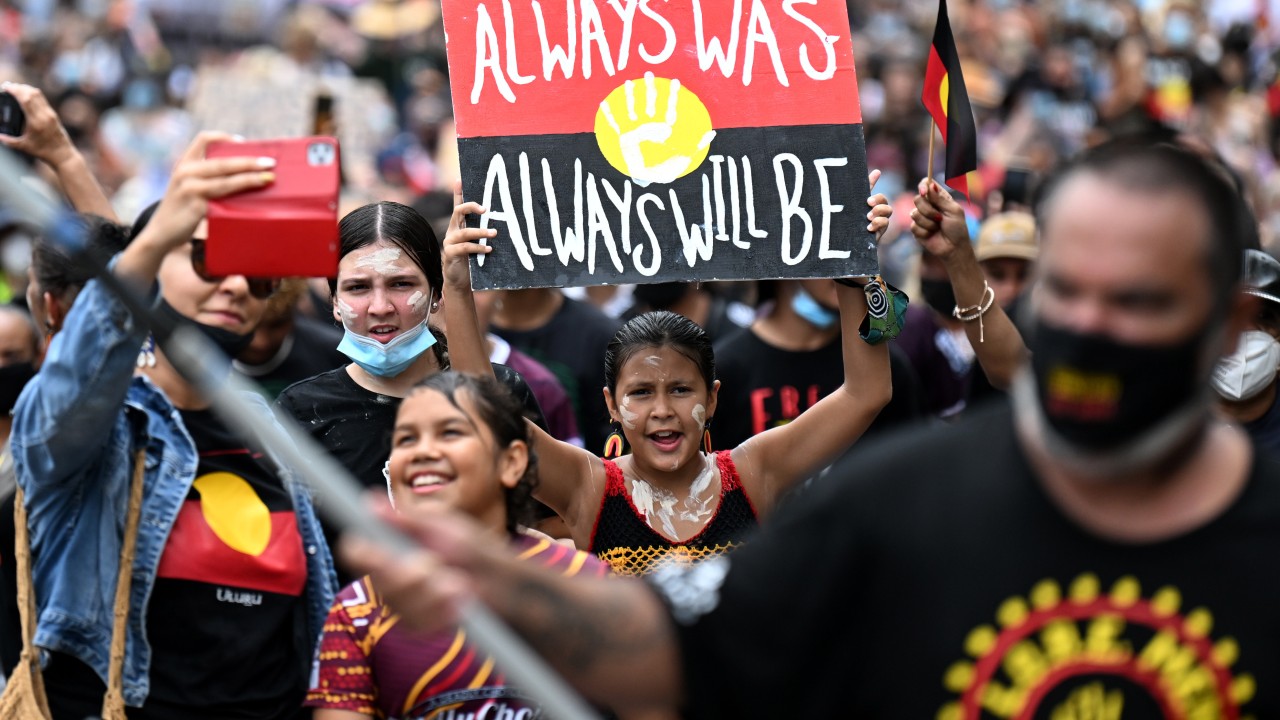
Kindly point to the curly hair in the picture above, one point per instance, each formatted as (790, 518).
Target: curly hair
(503, 414)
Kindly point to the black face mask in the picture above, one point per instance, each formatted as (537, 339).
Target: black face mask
(12, 379)
(1100, 394)
(938, 295)
(231, 344)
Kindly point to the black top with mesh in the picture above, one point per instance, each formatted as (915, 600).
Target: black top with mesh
(626, 542)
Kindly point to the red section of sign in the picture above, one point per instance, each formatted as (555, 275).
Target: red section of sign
(508, 68)
(194, 552)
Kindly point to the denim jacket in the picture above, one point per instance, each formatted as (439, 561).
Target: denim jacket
(76, 429)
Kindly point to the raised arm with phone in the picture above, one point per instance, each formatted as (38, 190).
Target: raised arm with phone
(40, 133)
(232, 578)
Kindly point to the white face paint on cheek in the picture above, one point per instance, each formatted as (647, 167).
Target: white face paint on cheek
(699, 414)
(418, 300)
(381, 261)
(347, 314)
(628, 418)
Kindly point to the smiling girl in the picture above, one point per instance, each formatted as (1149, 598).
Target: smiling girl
(459, 443)
(672, 497)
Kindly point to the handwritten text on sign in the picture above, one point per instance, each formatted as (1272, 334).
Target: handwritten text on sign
(653, 140)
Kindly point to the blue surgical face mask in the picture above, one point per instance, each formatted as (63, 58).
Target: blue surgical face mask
(387, 359)
(815, 314)
(1179, 30)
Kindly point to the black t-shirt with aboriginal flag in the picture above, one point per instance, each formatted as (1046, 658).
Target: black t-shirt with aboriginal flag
(931, 576)
(226, 619)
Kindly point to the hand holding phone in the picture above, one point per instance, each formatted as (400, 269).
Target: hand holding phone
(13, 122)
(286, 229)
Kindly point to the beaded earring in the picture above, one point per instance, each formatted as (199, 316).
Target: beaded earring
(613, 446)
(706, 437)
(147, 355)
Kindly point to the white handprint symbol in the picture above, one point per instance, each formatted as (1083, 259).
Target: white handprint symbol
(656, 146)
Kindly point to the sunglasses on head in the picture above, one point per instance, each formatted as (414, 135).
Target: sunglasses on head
(261, 288)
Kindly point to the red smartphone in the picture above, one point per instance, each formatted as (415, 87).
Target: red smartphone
(286, 229)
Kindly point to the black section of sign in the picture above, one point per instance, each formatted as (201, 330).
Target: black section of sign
(735, 192)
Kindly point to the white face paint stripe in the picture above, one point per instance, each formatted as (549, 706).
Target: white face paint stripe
(345, 311)
(382, 261)
(628, 418)
(417, 300)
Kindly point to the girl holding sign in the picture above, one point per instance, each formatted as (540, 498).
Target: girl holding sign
(672, 497)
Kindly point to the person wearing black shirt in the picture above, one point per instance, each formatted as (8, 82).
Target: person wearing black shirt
(231, 575)
(354, 423)
(1094, 552)
(787, 361)
(568, 337)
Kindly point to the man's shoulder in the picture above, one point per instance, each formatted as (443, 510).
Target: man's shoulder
(980, 449)
(1261, 496)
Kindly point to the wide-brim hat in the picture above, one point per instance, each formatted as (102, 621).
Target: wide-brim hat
(1008, 235)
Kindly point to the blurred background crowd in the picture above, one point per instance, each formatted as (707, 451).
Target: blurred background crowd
(134, 80)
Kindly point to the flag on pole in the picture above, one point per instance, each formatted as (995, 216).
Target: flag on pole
(948, 102)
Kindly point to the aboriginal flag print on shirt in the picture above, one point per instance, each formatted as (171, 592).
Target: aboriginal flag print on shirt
(226, 618)
(629, 141)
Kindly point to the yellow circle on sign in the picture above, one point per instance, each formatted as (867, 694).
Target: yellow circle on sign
(653, 130)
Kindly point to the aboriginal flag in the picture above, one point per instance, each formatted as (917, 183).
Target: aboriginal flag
(948, 102)
(642, 125)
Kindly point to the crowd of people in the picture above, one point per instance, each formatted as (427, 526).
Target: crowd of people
(1039, 489)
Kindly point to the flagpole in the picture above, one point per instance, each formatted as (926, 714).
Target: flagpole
(933, 130)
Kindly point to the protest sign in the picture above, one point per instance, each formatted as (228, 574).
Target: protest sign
(617, 141)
